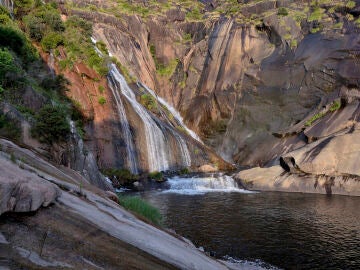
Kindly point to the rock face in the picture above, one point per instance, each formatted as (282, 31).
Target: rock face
(242, 86)
(328, 165)
(105, 138)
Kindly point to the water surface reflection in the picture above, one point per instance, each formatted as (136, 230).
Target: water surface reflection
(288, 230)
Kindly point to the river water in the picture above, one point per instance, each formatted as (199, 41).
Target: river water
(285, 230)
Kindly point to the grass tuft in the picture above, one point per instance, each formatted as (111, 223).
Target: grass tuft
(142, 208)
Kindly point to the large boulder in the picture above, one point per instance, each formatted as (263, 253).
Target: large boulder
(328, 166)
(22, 191)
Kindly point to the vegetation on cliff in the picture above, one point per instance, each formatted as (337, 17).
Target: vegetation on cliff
(44, 25)
(26, 84)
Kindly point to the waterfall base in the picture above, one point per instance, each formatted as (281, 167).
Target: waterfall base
(201, 185)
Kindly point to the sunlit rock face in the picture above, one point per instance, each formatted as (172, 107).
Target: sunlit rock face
(240, 85)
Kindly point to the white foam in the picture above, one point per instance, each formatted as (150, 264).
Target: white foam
(237, 264)
(120, 190)
(173, 111)
(157, 147)
(202, 185)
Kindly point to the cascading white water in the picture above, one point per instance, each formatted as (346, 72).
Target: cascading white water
(51, 64)
(130, 148)
(157, 148)
(201, 185)
(185, 154)
(173, 111)
(155, 139)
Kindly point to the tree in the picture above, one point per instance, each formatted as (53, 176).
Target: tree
(7, 65)
(51, 41)
(35, 27)
(51, 125)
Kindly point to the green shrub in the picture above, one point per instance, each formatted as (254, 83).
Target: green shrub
(4, 11)
(124, 176)
(102, 100)
(51, 125)
(12, 158)
(102, 47)
(314, 118)
(142, 208)
(149, 102)
(66, 63)
(52, 18)
(25, 110)
(187, 37)
(35, 27)
(22, 7)
(77, 22)
(166, 70)
(57, 83)
(315, 30)
(9, 128)
(15, 40)
(283, 11)
(293, 43)
(350, 4)
(338, 25)
(101, 89)
(335, 106)
(193, 14)
(152, 49)
(51, 41)
(316, 15)
(7, 66)
(158, 176)
(357, 22)
(4, 19)
(184, 171)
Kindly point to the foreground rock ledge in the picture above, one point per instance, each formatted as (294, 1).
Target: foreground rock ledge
(79, 229)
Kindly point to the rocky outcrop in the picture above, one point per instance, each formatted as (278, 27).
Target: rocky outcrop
(328, 165)
(95, 232)
(275, 179)
(21, 191)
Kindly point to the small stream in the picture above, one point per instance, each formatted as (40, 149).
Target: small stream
(263, 229)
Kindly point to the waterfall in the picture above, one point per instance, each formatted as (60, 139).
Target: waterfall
(125, 127)
(185, 154)
(155, 139)
(201, 185)
(51, 64)
(173, 111)
(157, 147)
(130, 148)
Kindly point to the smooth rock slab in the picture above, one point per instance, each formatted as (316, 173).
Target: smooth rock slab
(23, 191)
